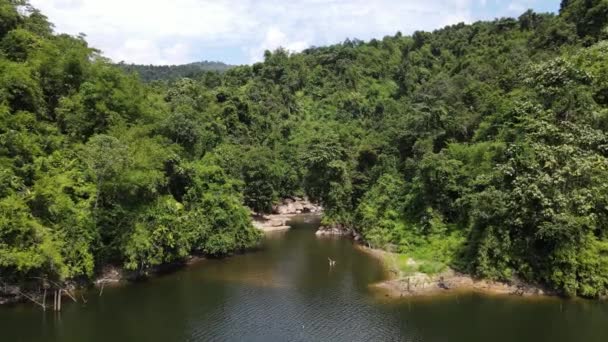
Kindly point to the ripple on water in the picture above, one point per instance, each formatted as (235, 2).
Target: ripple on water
(287, 292)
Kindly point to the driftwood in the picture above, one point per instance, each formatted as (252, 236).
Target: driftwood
(332, 263)
(57, 294)
(58, 300)
(30, 298)
(44, 300)
(71, 295)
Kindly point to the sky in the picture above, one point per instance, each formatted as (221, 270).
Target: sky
(239, 31)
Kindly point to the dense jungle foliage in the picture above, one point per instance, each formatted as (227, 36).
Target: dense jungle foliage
(150, 73)
(480, 146)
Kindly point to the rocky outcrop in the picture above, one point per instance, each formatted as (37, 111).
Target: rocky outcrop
(296, 205)
(283, 212)
(110, 275)
(449, 281)
(335, 230)
(271, 223)
(420, 284)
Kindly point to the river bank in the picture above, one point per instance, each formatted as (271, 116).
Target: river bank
(283, 212)
(447, 281)
(413, 283)
(109, 276)
(112, 275)
(286, 291)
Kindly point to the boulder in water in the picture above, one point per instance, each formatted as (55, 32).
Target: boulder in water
(336, 230)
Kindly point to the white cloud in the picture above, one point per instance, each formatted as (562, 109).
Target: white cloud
(148, 52)
(516, 7)
(275, 38)
(179, 31)
(149, 31)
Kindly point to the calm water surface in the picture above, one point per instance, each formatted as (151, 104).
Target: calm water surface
(286, 292)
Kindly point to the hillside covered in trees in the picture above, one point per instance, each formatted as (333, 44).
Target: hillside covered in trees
(479, 146)
(149, 73)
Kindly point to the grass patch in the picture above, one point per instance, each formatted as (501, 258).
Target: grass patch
(432, 267)
(403, 265)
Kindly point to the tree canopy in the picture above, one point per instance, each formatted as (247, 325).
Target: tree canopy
(480, 146)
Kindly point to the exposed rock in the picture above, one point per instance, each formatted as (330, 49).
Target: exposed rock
(448, 281)
(337, 230)
(420, 284)
(110, 275)
(283, 212)
(271, 223)
(296, 205)
(277, 223)
(285, 208)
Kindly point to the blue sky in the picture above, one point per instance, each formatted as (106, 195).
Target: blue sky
(238, 31)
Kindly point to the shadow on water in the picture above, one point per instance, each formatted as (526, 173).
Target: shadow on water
(286, 291)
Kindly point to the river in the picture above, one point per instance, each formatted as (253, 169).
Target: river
(286, 291)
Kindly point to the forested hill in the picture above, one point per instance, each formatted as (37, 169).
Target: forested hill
(149, 73)
(480, 146)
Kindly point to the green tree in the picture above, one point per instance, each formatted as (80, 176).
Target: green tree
(106, 157)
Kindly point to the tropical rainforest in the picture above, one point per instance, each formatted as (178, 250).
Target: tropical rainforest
(151, 73)
(483, 147)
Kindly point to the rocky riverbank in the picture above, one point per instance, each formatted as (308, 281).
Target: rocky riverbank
(335, 230)
(418, 284)
(284, 211)
(413, 283)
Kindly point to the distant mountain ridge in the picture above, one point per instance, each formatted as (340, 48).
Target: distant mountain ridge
(149, 73)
